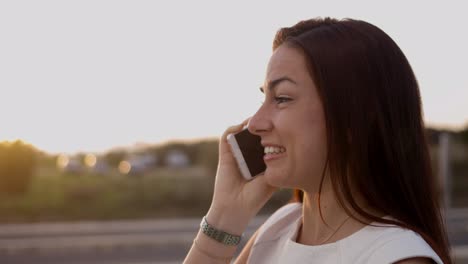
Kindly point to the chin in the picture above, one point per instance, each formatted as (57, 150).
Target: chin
(276, 179)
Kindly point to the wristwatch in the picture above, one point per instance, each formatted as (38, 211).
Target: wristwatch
(219, 235)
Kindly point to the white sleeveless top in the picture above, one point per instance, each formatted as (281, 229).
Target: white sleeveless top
(275, 243)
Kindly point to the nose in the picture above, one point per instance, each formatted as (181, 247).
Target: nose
(260, 122)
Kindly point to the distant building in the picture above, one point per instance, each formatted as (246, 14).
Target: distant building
(177, 159)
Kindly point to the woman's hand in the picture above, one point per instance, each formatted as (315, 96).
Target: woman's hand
(235, 200)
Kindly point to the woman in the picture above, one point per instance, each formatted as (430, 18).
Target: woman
(342, 124)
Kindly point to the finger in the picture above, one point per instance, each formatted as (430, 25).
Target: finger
(235, 128)
(246, 121)
(232, 129)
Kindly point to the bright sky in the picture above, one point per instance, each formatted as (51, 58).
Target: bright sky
(90, 75)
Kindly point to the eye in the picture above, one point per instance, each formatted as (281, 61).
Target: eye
(282, 99)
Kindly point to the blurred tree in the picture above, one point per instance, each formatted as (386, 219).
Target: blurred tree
(17, 165)
(464, 135)
(113, 158)
(207, 155)
(46, 160)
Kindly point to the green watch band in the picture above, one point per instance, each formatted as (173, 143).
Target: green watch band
(218, 235)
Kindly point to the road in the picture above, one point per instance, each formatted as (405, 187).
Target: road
(138, 242)
(121, 242)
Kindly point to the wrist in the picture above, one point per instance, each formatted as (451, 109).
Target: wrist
(232, 223)
(219, 235)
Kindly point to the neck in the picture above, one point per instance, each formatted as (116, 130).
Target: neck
(314, 230)
(336, 223)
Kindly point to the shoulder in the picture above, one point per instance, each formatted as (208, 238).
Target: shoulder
(279, 223)
(285, 211)
(401, 246)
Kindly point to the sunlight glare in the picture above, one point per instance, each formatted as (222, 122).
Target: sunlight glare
(90, 160)
(125, 167)
(62, 161)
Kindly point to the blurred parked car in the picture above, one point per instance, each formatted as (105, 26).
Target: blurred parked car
(138, 164)
(69, 164)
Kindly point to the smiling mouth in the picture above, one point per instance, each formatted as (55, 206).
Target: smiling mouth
(272, 153)
(274, 150)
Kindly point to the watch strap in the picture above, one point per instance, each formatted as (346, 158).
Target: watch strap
(219, 235)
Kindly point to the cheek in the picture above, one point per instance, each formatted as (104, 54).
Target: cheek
(310, 154)
(304, 134)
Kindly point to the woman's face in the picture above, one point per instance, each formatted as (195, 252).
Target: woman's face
(291, 123)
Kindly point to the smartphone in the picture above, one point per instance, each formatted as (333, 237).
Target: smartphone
(248, 152)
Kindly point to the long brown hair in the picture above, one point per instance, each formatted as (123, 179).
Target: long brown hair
(375, 131)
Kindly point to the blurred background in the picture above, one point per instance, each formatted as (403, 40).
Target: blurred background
(110, 113)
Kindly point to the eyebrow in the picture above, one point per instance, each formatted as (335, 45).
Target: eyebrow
(272, 84)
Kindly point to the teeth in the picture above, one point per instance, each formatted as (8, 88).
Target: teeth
(271, 150)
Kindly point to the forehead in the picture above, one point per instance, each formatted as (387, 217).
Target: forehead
(288, 61)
